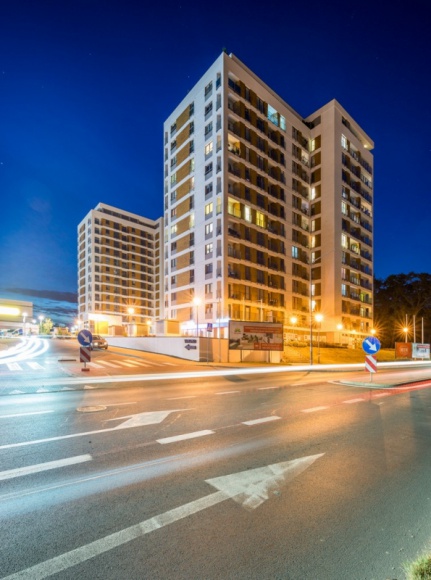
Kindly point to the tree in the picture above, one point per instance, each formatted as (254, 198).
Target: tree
(396, 297)
(46, 326)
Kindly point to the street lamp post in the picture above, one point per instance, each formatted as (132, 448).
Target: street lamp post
(24, 316)
(41, 317)
(339, 328)
(130, 311)
(196, 302)
(319, 318)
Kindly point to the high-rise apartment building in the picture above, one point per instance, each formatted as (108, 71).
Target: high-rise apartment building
(119, 270)
(268, 216)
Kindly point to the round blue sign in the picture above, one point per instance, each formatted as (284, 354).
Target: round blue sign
(371, 345)
(85, 338)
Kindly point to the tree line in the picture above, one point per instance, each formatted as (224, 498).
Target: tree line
(397, 297)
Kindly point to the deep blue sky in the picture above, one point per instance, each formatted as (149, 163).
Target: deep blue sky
(85, 87)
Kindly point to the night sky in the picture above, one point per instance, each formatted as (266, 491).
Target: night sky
(85, 87)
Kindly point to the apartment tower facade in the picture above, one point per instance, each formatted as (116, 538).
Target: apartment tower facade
(119, 271)
(268, 216)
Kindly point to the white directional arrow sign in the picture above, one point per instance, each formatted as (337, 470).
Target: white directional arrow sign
(142, 419)
(251, 488)
(138, 420)
(248, 488)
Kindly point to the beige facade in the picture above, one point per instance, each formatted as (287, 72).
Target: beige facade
(119, 270)
(268, 215)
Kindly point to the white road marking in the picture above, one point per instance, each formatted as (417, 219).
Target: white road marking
(248, 488)
(266, 388)
(16, 392)
(138, 420)
(13, 366)
(263, 420)
(313, 409)
(227, 392)
(21, 471)
(109, 364)
(185, 436)
(34, 365)
(381, 395)
(42, 390)
(125, 364)
(25, 414)
(351, 401)
(133, 362)
(94, 365)
(176, 398)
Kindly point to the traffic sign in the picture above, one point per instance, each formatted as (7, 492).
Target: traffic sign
(85, 338)
(209, 327)
(370, 364)
(84, 355)
(371, 345)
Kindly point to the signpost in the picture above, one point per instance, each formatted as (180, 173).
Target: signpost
(371, 346)
(85, 338)
(85, 357)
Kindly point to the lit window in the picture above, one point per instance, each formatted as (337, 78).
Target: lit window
(344, 142)
(260, 219)
(247, 213)
(208, 148)
(343, 241)
(208, 229)
(173, 230)
(295, 252)
(208, 248)
(209, 208)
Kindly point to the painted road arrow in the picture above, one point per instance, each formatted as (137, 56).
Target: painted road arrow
(249, 488)
(138, 420)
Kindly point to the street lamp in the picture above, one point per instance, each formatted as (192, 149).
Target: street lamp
(130, 311)
(196, 302)
(319, 318)
(293, 321)
(405, 330)
(41, 317)
(339, 328)
(24, 316)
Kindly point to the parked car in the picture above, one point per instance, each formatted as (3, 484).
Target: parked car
(98, 342)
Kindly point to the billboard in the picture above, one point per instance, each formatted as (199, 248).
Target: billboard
(421, 350)
(255, 335)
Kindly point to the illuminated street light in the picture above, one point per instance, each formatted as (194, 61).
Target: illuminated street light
(24, 316)
(319, 318)
(339, 328)
(196, 302)
(405, 330)
(130, 311)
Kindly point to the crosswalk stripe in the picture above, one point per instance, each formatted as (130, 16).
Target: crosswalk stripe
(94, 365)
(14, 367)
(35, 365)
(125, 364)
(109, 364)
(136, 363)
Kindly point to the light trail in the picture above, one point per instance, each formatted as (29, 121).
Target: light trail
(29, 348)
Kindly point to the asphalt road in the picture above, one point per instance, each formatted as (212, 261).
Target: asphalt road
(290, 475)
